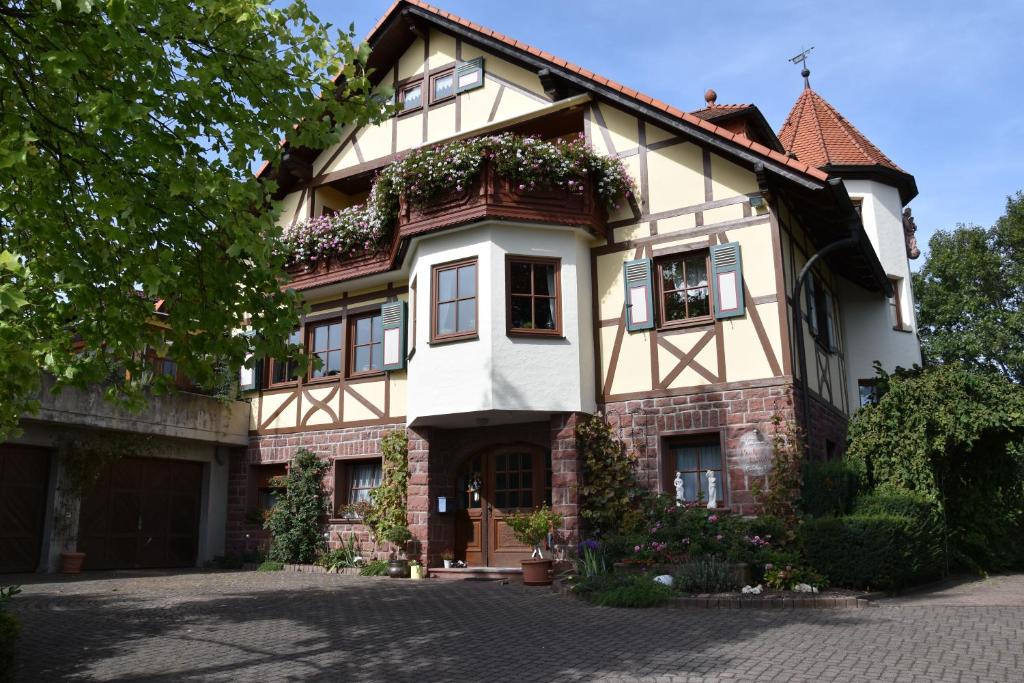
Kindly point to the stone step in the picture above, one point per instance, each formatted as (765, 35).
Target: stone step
(513, 574)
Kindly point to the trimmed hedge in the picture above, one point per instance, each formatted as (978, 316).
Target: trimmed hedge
(830, 487)
(891, 541)
(9, 630)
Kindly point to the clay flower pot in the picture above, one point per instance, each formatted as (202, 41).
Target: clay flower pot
(537, 572)
(71, 562)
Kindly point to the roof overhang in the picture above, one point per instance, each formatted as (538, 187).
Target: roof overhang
(903, 182)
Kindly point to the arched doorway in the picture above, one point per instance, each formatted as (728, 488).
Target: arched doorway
(492, 485)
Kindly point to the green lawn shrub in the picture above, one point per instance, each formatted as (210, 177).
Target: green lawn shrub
(374, 568)
(270, 566)
(705, 575)
(890, 542)
(624, 590)
(831, 487)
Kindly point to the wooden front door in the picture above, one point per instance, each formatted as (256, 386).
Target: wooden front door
(493, 486)
(143, 512)
(24, 477)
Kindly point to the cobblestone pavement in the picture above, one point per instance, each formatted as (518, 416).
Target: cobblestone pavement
(249, 626)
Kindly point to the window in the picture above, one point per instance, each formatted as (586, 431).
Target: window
(858, 205)
(867, 392)
(820, 314)
(685, 294)
(513, 480)
(268, 485)
(325, 342)
(411, 96)
(353, 482)
(896, 304)
(283, 371)
(454, 309)
(442, 86)
(367, 344)
(412, 312)
(693, 460)
(533, 296)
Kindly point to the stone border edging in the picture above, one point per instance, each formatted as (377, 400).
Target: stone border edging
(771, 603)
(317, 569)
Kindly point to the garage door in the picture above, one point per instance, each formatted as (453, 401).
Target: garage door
(144, 512)
(24, 473)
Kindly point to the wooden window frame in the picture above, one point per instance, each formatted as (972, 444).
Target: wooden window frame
(350, 346)
(430, 90)
(408, 84)
(412, 320)
(870, 384)
(533, 260)
(668, 462)
(272, 363)
(310, 330)
(435, 271)
(659, 290)
(343, 484)
(821, 338)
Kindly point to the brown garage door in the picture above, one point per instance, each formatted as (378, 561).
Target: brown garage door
(144, 512)
(24, 473)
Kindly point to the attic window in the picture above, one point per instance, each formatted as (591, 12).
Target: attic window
(411, 96)
(442, 86)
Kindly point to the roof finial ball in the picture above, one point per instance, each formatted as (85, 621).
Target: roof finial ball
(806, 73)
(710, 96)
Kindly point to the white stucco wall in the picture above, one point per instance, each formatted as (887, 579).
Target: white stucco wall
(496, 377)
(868, 319)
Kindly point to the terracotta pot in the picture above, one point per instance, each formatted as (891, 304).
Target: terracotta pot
(71, 562)
(398, 569)
(537, 572)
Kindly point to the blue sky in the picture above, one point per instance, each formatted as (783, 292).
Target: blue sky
(936, 85)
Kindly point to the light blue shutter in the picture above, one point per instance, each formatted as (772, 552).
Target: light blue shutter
(639, 294)
(469, 75)
(727, 279)
(392, 317)
(811, 305)
(249, 378)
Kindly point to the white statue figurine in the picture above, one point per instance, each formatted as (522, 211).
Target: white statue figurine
(712, 490)
(680, 490)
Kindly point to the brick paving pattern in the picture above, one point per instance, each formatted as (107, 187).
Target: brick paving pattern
(249, 626)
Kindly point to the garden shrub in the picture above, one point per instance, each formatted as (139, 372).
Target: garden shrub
(955, 436)
(374, 568)
(624, 590)
(830, 487)
(706, 575)
(386, 514)
(270, 566)
(345, 556)
(295, 520)
(872, 550)
(608, 489)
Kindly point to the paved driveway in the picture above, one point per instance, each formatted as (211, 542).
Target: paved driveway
(246, 626)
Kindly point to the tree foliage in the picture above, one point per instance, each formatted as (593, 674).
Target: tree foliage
(387, 514)
(295, 520)
(128, 131)
(608, 486)
(955, 436)
(970, 295)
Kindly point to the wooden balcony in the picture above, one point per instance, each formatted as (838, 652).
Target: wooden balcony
(488, 198)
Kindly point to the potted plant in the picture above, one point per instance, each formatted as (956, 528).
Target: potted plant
(447, 558)
(415, 570)
(397, 536)
(531, 529)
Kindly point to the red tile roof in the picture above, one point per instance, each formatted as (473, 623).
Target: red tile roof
(821, 136)
(756, 147)
(714, 111)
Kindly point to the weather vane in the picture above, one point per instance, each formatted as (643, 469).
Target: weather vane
(802, 60)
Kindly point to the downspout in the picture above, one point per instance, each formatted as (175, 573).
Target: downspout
(798, 318)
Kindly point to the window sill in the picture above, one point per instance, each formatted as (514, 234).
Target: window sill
(409, 112)
(452, 340)
(908, 330)
(322, 380)
(541, 334)
(345, 520)
(442, 100)
(282, 385)
(687, 324)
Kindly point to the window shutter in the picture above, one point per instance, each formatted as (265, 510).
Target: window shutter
(727, 275)
(249, 378)
(469, 75)
(811, 305)
(639, 295)
(393, 324)
(830, 323)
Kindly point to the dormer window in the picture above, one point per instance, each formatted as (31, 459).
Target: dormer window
(411, 96)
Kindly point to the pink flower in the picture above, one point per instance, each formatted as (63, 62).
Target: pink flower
(713, 518)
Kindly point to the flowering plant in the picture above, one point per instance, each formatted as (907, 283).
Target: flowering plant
(427, 173)
(790, 576)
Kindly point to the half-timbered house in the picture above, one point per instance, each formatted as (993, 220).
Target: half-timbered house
(493, 320)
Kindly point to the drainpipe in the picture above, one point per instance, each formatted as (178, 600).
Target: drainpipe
(798, 317)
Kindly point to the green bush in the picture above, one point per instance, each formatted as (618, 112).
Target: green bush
(706, 575)
(9, 631)
(374, 568)
(890, 543)
(294, 521)
(624, 590)
(270, 566)
(831, 487)
(343, 556)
